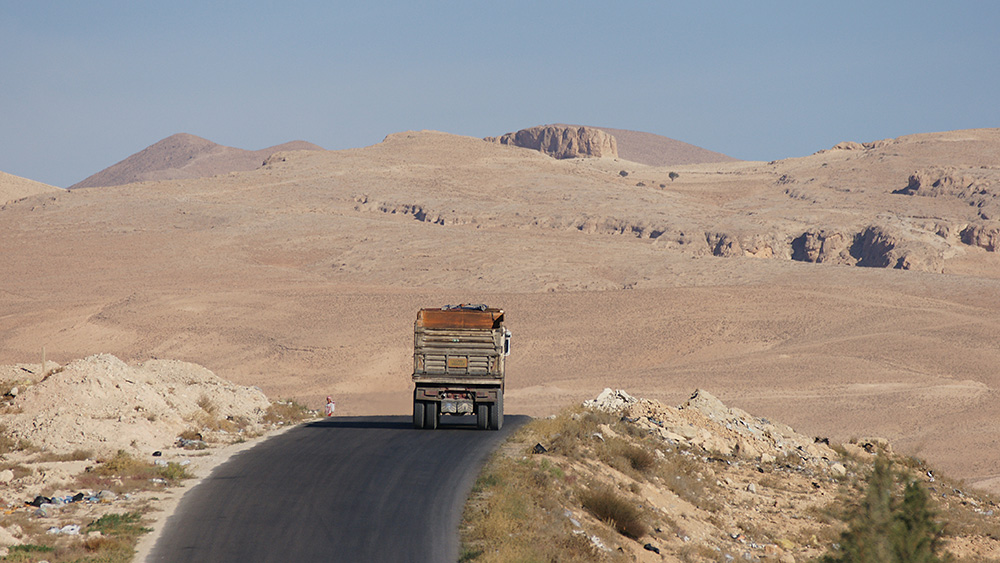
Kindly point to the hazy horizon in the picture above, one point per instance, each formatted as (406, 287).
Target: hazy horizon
(87, 85)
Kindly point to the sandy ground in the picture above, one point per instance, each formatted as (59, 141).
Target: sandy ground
(304, 277)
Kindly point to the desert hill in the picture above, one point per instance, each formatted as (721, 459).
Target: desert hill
(657, 150)
(303, 277)
(184, 156)
(575, 141)
(15, 187)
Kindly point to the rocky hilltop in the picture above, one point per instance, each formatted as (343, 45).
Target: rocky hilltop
(184, 156)
(562, 141)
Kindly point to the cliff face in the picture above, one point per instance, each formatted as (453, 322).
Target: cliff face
(562, 141)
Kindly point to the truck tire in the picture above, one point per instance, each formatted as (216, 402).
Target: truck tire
(431, 415)
(482, 416)
(418, 414)
(496, 414)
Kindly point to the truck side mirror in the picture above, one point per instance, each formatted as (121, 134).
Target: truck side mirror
(506, 342)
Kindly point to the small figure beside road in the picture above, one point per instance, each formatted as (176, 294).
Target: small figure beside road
(330, 406)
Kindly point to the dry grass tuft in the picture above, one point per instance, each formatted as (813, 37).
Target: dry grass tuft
(609, 506)
(9, 443)
(206, 404)
(123, 473)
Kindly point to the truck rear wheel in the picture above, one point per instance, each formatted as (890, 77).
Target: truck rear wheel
(418, 414)
(496, 414)
(482, 416)
(431, 415)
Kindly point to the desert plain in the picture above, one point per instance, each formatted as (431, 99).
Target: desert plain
(852, 292)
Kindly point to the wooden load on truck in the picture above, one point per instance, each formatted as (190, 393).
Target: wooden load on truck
(459, 354)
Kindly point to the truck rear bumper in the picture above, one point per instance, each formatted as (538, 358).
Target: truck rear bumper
(459, 397)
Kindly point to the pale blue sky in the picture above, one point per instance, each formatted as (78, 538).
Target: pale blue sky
(85, 84)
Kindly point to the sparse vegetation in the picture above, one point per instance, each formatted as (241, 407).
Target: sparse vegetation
(603, 488)
(287, 412)
(617, 511)
(206, 405)
(9, 443)
(116, 542)
(127, 473)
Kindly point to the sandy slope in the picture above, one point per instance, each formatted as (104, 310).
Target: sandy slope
(14, 187)
(304, 277)
(184, 156)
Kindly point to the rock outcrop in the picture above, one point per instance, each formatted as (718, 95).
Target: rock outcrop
(983, 235)
(822, 246)
(855, 146)
(562, 141)
(875, 246)
(980, 187)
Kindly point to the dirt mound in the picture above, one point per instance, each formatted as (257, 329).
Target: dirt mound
(102, 404)
(704, 421)
(14, 187)
(184, 156)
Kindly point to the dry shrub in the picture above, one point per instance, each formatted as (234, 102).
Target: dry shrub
(630, 459)
(18, 469)
(76, 455)
(698, 552)
(206, 404)
(286, 412)
(6, 386)
(190, 434)
(570, 432)
(608, 506)
(509, 516)
(679, 473)
(133, 473)
(9, 443)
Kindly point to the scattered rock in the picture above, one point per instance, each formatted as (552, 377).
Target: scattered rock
(6, 476)
(610, 400)
(7, 538)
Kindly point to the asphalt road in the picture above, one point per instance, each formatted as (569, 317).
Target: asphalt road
(353, 489)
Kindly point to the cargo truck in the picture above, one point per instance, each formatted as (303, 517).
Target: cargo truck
(459, 352)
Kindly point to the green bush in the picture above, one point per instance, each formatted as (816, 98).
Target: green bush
(884, 528)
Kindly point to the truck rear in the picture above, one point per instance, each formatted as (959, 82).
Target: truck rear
(459, 354)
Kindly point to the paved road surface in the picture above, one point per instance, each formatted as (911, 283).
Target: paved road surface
(352, 489)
